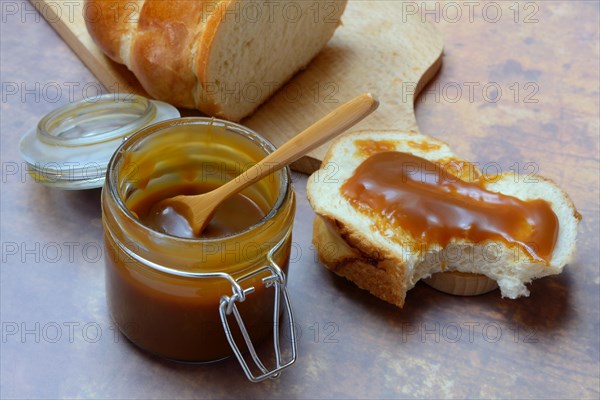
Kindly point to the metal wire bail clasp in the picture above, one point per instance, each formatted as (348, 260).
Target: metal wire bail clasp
(228, 306)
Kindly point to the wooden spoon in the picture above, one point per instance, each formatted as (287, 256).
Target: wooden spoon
(199, 209)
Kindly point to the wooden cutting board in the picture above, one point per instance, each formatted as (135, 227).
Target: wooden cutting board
(383, 47)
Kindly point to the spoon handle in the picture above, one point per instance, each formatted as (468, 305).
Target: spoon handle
(328, 127)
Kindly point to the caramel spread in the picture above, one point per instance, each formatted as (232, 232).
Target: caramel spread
(424, 146)
(434, 206)
(366, 148)
(234, 215)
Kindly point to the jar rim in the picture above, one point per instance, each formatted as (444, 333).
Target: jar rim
(51, 128)
(247, 133)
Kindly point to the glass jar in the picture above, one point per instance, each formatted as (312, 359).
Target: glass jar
(174, 296)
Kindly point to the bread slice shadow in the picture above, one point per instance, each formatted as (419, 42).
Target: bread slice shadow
(547, 309)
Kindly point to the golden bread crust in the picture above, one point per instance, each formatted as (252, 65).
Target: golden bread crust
(381, 274)
(165, 33)
(165, 38)
(108, 21)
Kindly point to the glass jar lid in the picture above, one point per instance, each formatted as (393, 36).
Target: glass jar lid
(71, 146)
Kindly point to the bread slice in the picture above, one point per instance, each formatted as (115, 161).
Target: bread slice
(224, 58)
(377, 257)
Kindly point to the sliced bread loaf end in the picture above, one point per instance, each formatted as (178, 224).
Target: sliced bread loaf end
(224, 58)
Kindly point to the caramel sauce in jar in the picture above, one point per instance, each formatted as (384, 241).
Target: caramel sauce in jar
(232, 216)
(171, 314)
(435, 207)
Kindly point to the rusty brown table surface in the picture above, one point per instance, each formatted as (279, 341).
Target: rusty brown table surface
(517, 91)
